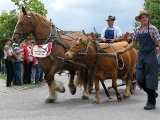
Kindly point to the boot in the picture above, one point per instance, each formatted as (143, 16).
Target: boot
(151, 104)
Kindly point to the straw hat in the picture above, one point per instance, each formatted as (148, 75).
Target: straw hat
(142, 12)
(111, 18)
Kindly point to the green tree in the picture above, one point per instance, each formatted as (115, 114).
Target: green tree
(136, 24)
(153, 7)
(9, 20)
(7, 25)
(31, 5)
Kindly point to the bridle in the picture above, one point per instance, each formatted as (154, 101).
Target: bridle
(84, 52)
(23, 35)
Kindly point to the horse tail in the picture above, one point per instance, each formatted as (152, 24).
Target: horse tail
(82, 75)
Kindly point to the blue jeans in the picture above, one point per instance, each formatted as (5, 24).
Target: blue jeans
(37, 74)
(17, 72)
(3, 70)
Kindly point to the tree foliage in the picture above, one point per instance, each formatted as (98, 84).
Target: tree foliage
(31, 5)
(9, 20)
(7, 25)
(153, 7)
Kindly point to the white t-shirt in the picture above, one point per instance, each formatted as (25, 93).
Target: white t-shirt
(7, 47)
(29, 53)
(117, 31)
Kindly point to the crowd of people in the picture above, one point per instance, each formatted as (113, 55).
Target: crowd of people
(19, 65)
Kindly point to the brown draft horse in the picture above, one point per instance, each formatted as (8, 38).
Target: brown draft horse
(40, 27)
(103, 63)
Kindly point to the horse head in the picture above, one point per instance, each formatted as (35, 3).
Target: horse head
(32, 23)
(78, 48)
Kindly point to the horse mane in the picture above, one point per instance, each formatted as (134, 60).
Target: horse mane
(40, 20)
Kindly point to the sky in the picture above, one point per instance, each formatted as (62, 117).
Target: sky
(78, 15)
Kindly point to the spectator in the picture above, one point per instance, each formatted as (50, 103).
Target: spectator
(8, 52)
(28, 62)
(3, 67)
(17, 65)
(37, 72)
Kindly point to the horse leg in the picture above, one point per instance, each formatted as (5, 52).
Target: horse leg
(85, 80)
(90, 84)
(52, 95)
(114, 85)
(56, 85)
(71, 85)
(127, 92)
(82, 79)
(53, 86)
(97, 98)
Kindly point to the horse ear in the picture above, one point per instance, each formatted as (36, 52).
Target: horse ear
(79, 40)
(89, 38)
(86, 41)
(24, 10)
(92, 35)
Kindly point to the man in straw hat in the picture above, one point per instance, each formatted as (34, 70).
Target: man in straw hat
(147, 66)
(111, 33)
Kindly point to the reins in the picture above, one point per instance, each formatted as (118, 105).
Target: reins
(100, 51)
(51, 38)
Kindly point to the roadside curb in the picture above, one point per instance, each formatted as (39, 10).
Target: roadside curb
(4, 89)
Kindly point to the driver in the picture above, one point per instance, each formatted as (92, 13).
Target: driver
(111, 33)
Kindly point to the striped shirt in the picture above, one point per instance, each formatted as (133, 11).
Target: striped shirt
(16, 47)
(153, 31)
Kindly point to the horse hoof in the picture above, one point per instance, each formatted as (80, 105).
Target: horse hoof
(63, 90)
(90, 90)
(74, 91)
(95, 102)
(85, 97)
(126, 97)
(50, 101)
(120, 99)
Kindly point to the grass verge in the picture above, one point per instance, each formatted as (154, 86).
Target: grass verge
(3, 77)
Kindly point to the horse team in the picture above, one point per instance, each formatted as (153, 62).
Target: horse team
(101, 59)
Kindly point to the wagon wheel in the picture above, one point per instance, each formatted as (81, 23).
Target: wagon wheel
(133, 86)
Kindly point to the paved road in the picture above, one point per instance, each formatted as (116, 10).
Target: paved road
(29, 104)
(4, 89)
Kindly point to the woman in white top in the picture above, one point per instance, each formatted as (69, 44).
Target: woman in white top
(9, 66)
